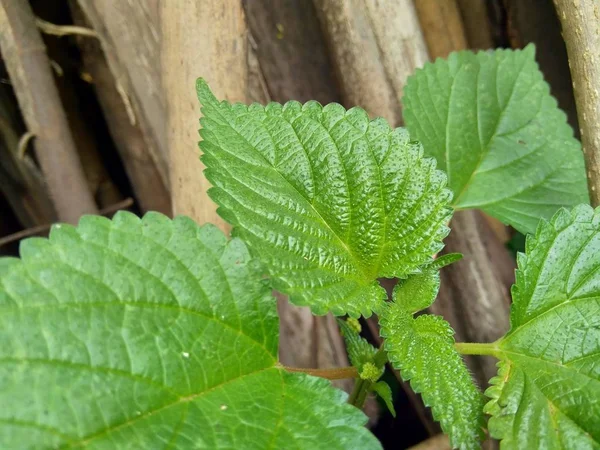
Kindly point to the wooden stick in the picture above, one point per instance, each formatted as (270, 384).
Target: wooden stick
(199, 39)
(132, 143)
(29, 69)
(375, 47)
(442, 26)
(476, 21)
(438, 442)
(42, 228)
(580, 19)
(131, 65)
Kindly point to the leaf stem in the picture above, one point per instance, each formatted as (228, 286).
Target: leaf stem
(359, 393)
(337, 373)
(474, 348)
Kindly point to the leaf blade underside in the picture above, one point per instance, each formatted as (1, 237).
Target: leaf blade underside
(490, 121)
(145, 333)
(329, 200)
(547, 392)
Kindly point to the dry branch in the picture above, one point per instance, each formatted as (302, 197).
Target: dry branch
(133, 145)
(129, 34)
(476, 21)
(21, 181)
(30, 73)
(442, 26)
(580, 21)
(375, 46)
(199, 39)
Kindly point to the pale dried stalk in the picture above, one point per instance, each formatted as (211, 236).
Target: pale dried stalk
(580, 21)
(29, 69)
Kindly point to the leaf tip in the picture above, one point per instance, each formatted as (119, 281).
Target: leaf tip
(205, 95)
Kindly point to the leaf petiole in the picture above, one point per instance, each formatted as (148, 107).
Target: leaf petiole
(359, 393)
(337, 373)
(475, 348)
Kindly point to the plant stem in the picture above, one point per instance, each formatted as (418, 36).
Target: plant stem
(359, 393)
(338, 373)
(470, 348)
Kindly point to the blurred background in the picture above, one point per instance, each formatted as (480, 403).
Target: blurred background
(98, 113)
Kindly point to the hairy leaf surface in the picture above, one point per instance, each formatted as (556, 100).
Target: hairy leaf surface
(491, 123)
(547, 393)
(152, 333)
(423, 350)
(327, 198)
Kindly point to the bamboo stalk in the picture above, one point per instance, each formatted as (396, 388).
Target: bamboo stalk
(580, 21)
(31, 75)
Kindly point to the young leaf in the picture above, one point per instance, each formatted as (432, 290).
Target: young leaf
(423, 350)
(359, 350)
(384, 391)
(547, 393)
(152, 333)
(328, 199)
(418, 291)
(491, 123)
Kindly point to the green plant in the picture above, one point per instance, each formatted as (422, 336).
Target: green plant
(152, 333)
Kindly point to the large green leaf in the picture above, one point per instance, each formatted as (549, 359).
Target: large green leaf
(328, 199)
(152, 333)
(491, 123)
(547, 394)
(423, 350)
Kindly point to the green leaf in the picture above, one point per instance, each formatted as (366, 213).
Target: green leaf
(491, 123)
(423, 350)
(384, 391)
(329, 200)
(359, 350)
(444, 260)
(547, 393)
(152, 333)
(417, 292)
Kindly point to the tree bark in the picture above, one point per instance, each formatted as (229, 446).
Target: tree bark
(30, 73)
(580, 19)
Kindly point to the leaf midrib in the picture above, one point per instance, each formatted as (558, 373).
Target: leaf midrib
(523, 325)
(487, 148)
(181, 400)
(308, 202)
(515, 365)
